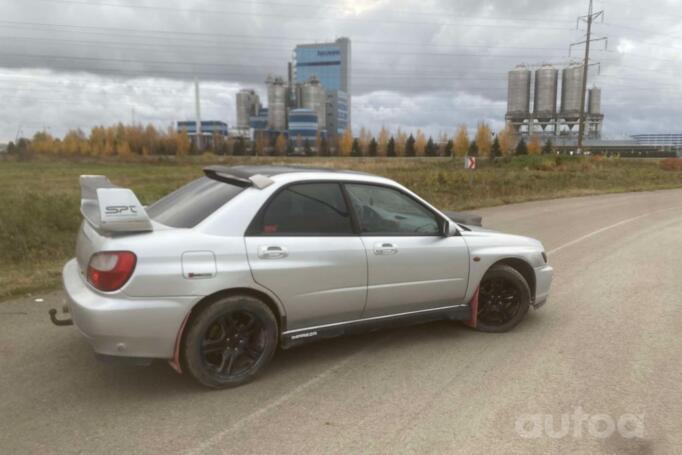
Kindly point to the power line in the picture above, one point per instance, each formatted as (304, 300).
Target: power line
(342, 9)
(266, 47)
(236, 47)
(466, 23)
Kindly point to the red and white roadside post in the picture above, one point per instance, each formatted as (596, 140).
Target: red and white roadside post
(470, 163)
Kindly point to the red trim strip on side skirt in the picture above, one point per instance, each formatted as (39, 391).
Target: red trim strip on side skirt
(175, 361)
(474, 310)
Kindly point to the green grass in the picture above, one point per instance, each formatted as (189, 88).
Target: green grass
(39, 201)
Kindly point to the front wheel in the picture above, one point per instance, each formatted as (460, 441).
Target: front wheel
(230, 341)
(503, 300)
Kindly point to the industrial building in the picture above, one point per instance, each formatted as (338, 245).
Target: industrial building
(338, 112)
(318, 79)
(303, 126)
(545, 118)
(209, 129)
(259, 122)
(330, 64)
(312, 95)
(248, 106)
(663, 140)
(278, 104)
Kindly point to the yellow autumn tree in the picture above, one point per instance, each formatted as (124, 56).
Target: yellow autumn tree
(43, 143)
(346, 143)
(420, 143)
(123, 150)
(461, 145)
(182, 144)
(508, 139)
(534, 145)
(281, 145)
(364, 139)
(484, 139)
(383, 141)
(400, 139)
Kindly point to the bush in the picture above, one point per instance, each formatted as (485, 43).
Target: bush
(671, 164)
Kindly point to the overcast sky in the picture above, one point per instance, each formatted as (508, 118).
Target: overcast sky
(429, 64)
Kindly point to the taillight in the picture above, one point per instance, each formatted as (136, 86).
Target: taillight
(109, 271)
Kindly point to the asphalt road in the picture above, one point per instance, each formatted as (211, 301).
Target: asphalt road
(607, 345)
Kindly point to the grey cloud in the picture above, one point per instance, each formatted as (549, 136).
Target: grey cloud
(409, 69)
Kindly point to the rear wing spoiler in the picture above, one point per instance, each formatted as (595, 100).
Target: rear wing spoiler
(109, 208)
(228, 175)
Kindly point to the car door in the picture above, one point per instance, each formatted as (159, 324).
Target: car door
(411, 265)
(302, 247)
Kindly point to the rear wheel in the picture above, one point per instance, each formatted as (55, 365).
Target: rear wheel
(230, 342)
(503, 301)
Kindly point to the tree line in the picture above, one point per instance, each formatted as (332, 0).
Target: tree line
(127, 141)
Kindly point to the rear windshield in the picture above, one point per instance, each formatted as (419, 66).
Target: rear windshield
(189, 205)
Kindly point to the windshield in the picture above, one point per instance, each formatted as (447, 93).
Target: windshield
(189, 205)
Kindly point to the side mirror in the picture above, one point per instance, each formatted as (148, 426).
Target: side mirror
(449, 229)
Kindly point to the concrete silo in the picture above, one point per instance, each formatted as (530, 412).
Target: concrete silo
(518, 93)
(248, 105)
(595, 117)
(545, 100)
(594, 103)
(277, 104)
(572, 92)
(314, 96)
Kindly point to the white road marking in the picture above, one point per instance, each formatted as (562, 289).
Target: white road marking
(216, 438)
(597, 232)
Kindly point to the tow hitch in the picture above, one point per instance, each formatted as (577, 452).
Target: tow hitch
(60, 322)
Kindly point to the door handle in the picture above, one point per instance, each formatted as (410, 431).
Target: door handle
(272, 252)
(385, 249)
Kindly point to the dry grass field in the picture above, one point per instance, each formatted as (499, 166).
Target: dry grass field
(39, 200)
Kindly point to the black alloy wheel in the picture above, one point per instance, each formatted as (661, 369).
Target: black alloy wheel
(498, 301)
(503, 301)
(229, 341)
(233, 343)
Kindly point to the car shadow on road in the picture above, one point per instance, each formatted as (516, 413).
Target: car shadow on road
(160, 379)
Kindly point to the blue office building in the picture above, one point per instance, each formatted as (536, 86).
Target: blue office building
(303, 125)
(330, 63)
(259, 122)
(209, 129)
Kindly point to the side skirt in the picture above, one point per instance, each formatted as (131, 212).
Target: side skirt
(302, 336)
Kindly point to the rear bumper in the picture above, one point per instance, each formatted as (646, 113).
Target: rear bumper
(120, 326)
(543, 282)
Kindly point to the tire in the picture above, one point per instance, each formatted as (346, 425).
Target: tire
(230, 342)
(504, 299)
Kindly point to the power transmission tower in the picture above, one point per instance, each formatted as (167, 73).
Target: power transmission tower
(197, 99)
(589, 19)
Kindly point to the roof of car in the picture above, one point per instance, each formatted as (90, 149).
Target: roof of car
(246, 172)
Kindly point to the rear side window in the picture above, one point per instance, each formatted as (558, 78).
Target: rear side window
(191, 204)
(307, 209)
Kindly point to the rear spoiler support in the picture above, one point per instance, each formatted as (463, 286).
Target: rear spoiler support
(109, 208)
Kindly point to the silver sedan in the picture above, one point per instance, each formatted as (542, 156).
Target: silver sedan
(220, 273)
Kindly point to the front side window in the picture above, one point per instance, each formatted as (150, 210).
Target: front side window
(385, 211)
(307, 209)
